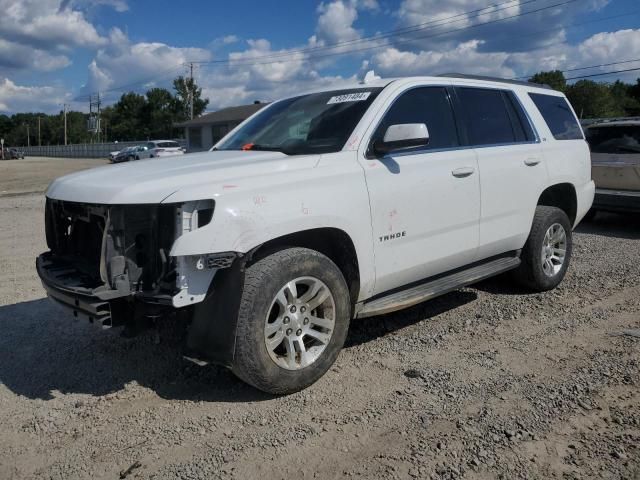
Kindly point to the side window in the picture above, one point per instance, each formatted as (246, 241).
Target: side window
(521, 125)
(428, 105)
(558, 116)
(488, 120)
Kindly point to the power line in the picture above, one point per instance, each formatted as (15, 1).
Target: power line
(392, 33)
(604, 73)
(373, 47)
(408, 29)
(585, 68)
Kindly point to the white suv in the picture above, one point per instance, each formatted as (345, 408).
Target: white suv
(162, 148)
(322, 208)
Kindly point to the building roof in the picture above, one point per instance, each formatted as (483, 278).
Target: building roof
(226, 115)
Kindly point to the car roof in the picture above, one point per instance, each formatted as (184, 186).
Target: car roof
(454, 78)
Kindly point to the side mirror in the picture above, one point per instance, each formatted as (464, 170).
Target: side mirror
(401, 137)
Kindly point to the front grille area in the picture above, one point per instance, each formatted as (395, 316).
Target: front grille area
(121, 247)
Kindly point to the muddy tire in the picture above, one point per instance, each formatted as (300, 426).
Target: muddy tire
(293, 320)
(547, 253)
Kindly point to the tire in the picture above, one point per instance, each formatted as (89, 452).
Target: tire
(534, 272)
(266, 306)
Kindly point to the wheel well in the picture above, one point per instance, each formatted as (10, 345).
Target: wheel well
(332, 242)
(562, 196)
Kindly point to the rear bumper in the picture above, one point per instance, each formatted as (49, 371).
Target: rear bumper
(617, 200)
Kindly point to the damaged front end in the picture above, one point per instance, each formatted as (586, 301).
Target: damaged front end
(111, 263)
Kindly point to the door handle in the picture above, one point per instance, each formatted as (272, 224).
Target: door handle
(532, 162)
(463, 172)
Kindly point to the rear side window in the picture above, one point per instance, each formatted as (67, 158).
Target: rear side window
(491, 117)
(168, 144)
(428, 105)
(558, 116)
(614, 139)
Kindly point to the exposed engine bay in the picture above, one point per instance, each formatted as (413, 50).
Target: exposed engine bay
(104, 260)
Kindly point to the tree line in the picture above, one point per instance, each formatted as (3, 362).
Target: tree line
(132, 117)
(594, 99)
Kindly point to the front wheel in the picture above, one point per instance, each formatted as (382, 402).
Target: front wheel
(293, 320)
(546, 255)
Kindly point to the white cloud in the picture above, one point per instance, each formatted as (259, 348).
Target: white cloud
(117, 5)
(43, 25)
(465, 58)
(16, 56)
(19, 98)
(335, 22)
(121, 63)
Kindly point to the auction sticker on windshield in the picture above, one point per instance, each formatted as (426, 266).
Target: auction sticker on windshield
(349, 97)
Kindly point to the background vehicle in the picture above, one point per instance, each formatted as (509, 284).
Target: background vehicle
(321, 208)
(162, 148)
(615, 158)
(130, 153)
(13, 154)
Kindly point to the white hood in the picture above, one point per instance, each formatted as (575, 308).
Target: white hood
(153, 180)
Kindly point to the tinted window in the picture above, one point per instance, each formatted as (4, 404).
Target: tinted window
(558, 115)
(168, 144)
(614, 139)
(487, 118)
(521, 125)
(428, 105)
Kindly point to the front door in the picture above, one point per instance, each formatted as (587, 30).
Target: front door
(425, 203)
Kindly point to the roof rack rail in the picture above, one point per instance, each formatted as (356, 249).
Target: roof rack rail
(494, 79)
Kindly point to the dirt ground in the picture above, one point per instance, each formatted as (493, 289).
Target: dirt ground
(33, 174)
(485, 382)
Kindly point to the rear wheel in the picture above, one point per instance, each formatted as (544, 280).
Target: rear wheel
(293, 320)
(546, 255)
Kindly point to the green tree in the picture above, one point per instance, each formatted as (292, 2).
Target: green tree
(127, 121)
(592, 100)
(623, 98)
(159, 113)
(554, 78)
(185, 88)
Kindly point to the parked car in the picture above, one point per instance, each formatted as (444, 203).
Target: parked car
(162, 148)
(321, 208)
(113, 155)
(13, 154)
(615, 159)
(130, 153)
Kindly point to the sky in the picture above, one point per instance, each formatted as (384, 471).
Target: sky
(54, 52)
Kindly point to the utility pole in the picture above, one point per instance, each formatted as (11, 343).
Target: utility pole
(64, 106)
(39, 139)
(191, 92)
(28, 139)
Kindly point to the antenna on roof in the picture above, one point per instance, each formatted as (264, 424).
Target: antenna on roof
(369, 77)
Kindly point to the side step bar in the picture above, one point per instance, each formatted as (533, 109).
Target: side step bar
(440, 286)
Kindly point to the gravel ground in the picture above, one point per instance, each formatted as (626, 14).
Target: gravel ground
(485, 382)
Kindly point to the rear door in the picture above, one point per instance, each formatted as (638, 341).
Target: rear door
(512, 168)
(425, 202)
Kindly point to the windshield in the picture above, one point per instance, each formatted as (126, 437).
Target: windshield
(614, 139)
(315, 123)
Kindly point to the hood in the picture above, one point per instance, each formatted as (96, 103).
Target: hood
(153, 180)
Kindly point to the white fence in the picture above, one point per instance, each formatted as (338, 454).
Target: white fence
(83, 150)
